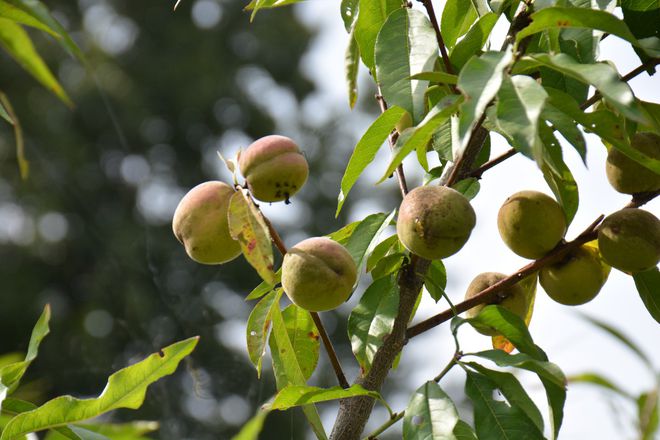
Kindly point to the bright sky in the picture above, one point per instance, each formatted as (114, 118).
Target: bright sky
(574, 345)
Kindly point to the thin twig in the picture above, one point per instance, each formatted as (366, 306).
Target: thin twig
(428, 5)
(329, 348)
(401, 177)
(491, 163)
(490, 294)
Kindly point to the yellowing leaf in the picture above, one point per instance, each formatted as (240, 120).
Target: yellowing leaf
(247, 225)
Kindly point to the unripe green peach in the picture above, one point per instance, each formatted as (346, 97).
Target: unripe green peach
(318, 274)
(434, 221)
(531, 223)
(630, 240)
(514, 300)
(628, 176)
(274, 168)
(577, 278)
(200, 223)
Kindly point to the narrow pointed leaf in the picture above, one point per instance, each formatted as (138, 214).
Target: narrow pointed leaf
(457, 17)
(495, 420)
(435, 280)
(367, 236)
(405, 45)
(351, 66)
(463, 431)
(474, 40)
(648, 287)
(430, 414)
(567, 126)
(373, 319)
(258, 328)
(479, 80)
(304, 337)
(349, 13)
(385, 247)
(13, 13)
(253, 427)
(247, 225)
(18, 45)
(293, 395)
(287, 367)
(125, 389)
(264, 287)
(599, 381)
(513, 391)
(422, 133)
(366, 149)
(551, 18)
(511, 327)
(371, 16)
(437, 77)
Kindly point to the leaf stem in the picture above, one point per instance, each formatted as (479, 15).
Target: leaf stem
(329, 348)
(490, 294)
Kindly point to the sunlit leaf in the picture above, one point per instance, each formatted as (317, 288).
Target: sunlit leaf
(7, 113)
(367, 236)
(473, 41)
(457, 17)
(649, 417)
(253, 427)
(437, 77)
(386, 247)
(567, 126)
(247, 225)
(18, 45)
(430, 415)
(479, 80)
(435, 280)
(258, 327)
(371, 16)
(349, 13)
(351, 66)
(263, 287)
(13, 13)
(463, 431)
(292, 395)
(366, 149)
(125, 389)
(373, 319)
(405, 45)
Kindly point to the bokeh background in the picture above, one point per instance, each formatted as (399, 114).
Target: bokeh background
(89, 231)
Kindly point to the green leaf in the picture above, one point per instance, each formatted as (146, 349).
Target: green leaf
(11, 374)
(351, 67)
(405, 45)
(551, 18)
(258, 327)
(648, 287)
(463, 431)
(366, 149)
(264, 287)
(19, 16)
(495, 420)
(287, 369)
(292, 396)
(255, 5)
(435, 280)
(304, 337)
(372, 14)
(40, 12)
(344, 234)
(602, 76)
(422, 133)
(436, 77)
(468, 187)
(125, 389)
(366, 237)
(600, 381)
(511, 327)
(550, 375)
(605, 124)
(18, 45)
(647, 407)
(384, 248)
(474, 40)
(247, 225)
(567, 126)
(557, 175)
(519, 104)
(623, 339)
(457, 17)
(251, 430)
(116, 431)
(349, 13)
(373, 319)
(388, 265)
(479, 80)
(430, 414)
(514, 393)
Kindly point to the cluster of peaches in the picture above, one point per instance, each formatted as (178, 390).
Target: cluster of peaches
(434, 222)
